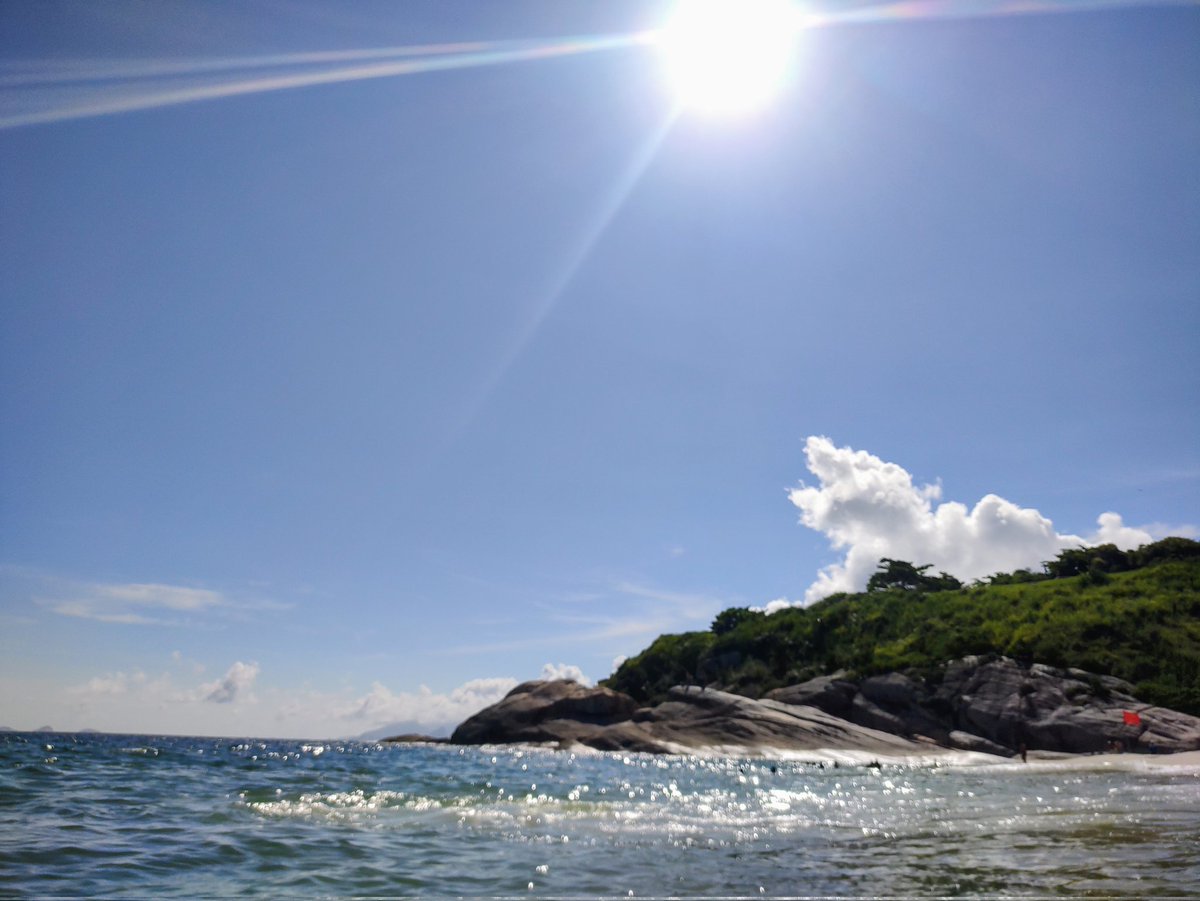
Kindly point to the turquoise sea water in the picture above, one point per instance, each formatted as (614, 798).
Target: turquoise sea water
(141, 816)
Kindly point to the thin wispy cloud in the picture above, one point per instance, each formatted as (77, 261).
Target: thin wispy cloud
(88, 610)
(599, 629)
(626, 611)
(136, 603)
(168, 597)
(1158, 530)
(111, 684)
(687, 603)
(142, 603)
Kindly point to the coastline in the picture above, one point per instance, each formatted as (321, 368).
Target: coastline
(1179, 763)
(1187, 762)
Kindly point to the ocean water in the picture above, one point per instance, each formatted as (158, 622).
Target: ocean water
(141, 816)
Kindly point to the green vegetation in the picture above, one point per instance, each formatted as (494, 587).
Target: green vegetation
(1134, 615)
(902, 574)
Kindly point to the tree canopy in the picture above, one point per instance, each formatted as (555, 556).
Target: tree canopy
(902, 574)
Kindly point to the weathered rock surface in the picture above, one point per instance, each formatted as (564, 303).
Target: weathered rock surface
(991, 705)
(833, 694)
(695, 718)
(565, 712)
(555, 710)
(995, 705)
(1057, 710)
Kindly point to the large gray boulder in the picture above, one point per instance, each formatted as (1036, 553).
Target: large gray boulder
(539, 711)
(833, 694)
(896, 703)
(994, 704)
(1058, 709)
(890, 703)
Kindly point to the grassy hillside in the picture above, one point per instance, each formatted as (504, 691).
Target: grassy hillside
(1141, 625)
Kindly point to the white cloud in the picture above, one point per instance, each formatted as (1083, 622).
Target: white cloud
(169, 597)
(382, 711)
(633, 614)
(1113, 531)
(133, 603)
(871, 509)
(564, 671)
(424, 709)
(1159, 530)
(88, 610)
(134, 701)
(142, 603)
(194, 665)
(118, 683)
(775, 606)
(236, 681)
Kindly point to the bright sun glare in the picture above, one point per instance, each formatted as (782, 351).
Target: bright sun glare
(729, 56)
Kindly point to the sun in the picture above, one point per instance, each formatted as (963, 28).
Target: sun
(729, 56)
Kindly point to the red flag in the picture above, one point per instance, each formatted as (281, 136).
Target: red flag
(1132, 719)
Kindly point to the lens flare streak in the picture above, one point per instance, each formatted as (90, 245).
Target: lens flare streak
(923, 10)
(34, 94)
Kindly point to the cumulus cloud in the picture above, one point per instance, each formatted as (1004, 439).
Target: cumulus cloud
(237, 680)
(872, 509)
(775, 606)
(564, 671)
(382, 711)
(425, 709)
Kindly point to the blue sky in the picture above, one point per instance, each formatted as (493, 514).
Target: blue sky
(348, 404)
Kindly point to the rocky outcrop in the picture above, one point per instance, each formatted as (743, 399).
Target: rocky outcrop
(996, 705)
(833, 694)
(414, 738)
(539, 711)
(1058, 709)
(694, 718)
(565, 712)
(990, 705)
